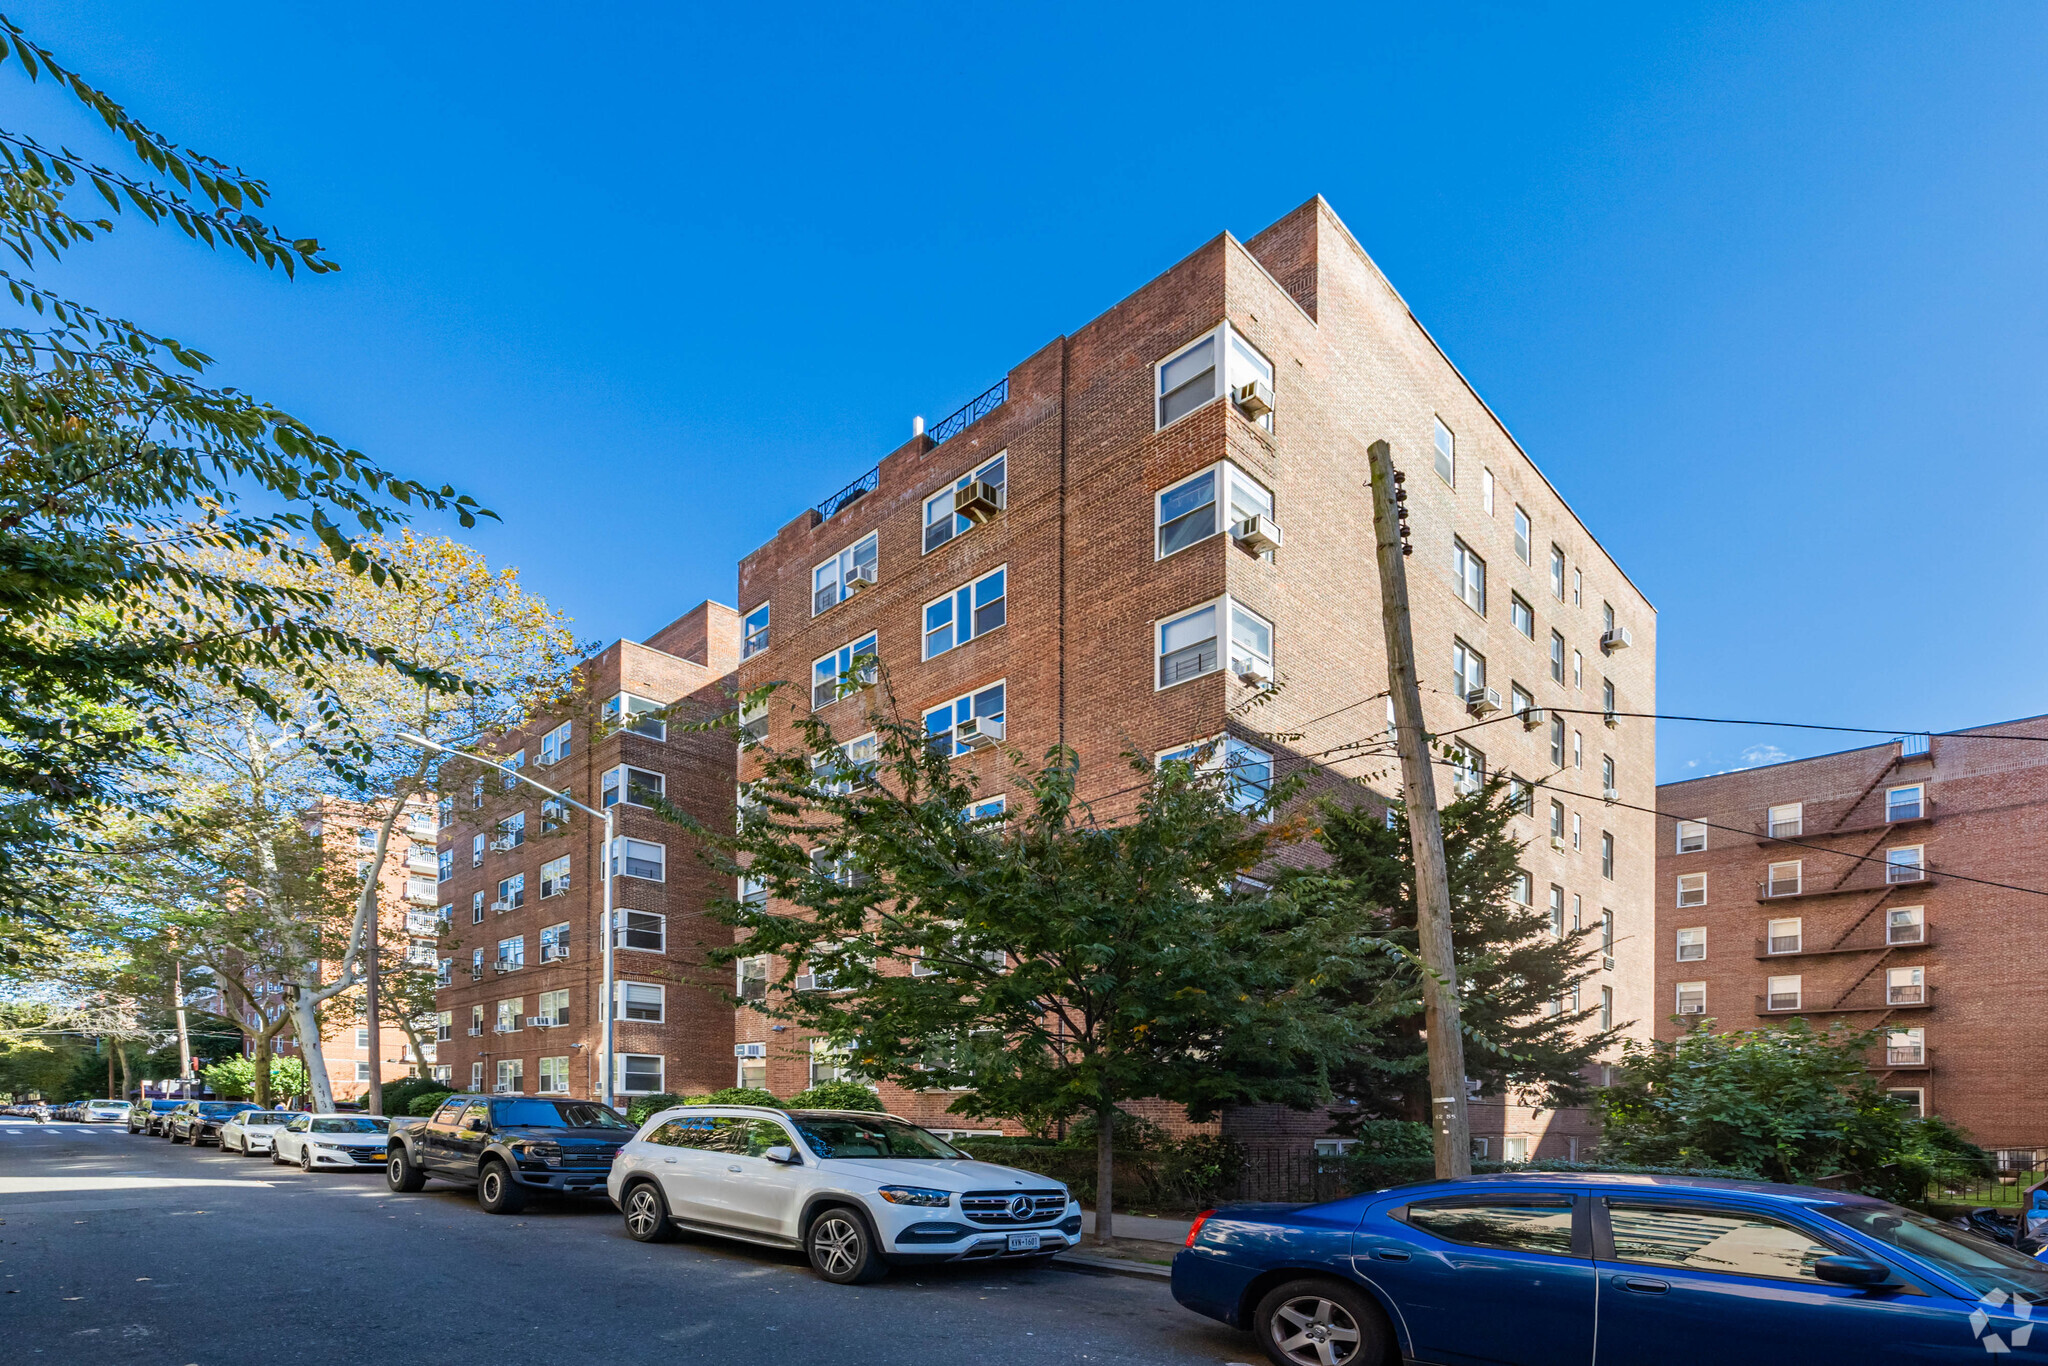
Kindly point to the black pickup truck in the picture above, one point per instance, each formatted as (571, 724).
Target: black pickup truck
(508, 1147)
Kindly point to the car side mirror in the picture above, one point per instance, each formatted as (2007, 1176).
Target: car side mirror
(784, 1154)
(1851, 1271)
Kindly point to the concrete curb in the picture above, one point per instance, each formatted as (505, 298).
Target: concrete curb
(1114, 1266)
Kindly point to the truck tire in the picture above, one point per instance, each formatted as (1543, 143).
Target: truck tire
(497, 1191)
(400, 1173)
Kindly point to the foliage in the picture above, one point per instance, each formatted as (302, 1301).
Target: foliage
(399, 1095)
(122, 469)
(1786, 1104)
(645, 1107)
(424, 1103)
(837, 1095)
(234, 1077)
(1512, 969)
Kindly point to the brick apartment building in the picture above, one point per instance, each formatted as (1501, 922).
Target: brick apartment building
(1834, 889)
(1151, 517)
(519, 883)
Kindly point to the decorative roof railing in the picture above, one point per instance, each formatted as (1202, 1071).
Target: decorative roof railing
(979, 408)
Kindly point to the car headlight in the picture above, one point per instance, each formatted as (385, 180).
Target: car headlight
(550, 1153)
(916, 1195)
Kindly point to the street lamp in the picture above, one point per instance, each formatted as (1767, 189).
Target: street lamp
(604, 1070)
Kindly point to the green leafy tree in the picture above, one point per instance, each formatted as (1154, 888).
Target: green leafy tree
(1042, 961)
(234, 1078)
(1789, 1104)
(1516, 975)
(837, 1095)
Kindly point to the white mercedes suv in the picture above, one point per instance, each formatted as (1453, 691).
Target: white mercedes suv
(856, 1191)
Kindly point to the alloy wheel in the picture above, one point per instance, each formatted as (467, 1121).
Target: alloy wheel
(837, 1244)
(643, 1212)
(1315, 1331)
(305, 1159)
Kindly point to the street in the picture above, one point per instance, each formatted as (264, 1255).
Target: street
(119, 1248)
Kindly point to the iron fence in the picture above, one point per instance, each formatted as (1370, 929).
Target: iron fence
(851, 494)
(2004, 1188)
(955, 423)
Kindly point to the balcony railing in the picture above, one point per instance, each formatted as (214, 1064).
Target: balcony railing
(1905, 995)
(1912, 1055)
(851, 494)
(976, 409)
(1780, 886)
(1922, 998)
(1896, 937)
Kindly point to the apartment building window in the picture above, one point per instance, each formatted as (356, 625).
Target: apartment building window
(1520, 699)
(444, 865)
(444, 811)
(1578, 588)
(753, 1065)
(1556, 911)
(511, 1077)
(750, 979)
(972, 610)
(476, 964)
(1607, 699)
(476, 1076)
(1905, 1047)
(639, 858)
(1905, 986)
(1781, 993)
(554, 877)
(366, 837)
(516, 759)
(1468, 576)
(1245, 770)
(1904, 865)
(1187, 379)
(554, 811)
(1518, 890)
(1556, 742)
(1557, 822)
(1607, 938)
(845, 574)
(753, 723)
(512, 953)
(1692, 836)
(637, 714)
(554, 943)
(1468, 669)
(362, 1071)
(1186, 645)
(942, 518)
(1486, 490)
(1468, 770)
(476, 1017)
(753, 891)
(754, 632)
(1904, 803)
(511, 893)
(1446, 447)
(634, 786)
(511, 832)
(554, 1009)
(1185, 514)
(641, 930)
(1905, 925)
(967, 723)
(1576, 833)
(1607, 787)
(557, 744)
(554, 1076)
(1606, 855)
(640, 1074)
(1578, 670)
(1522, 531)
(1522, 615)
(1577, 904)
(849, 668)
(444, 972)
(1692, 889)
(1557, 573)
(444, 1026)
(1556, 657)
(1692, 998)
(1784, 936)
(476, 908)
(830, 1062)
(362, 1036)
(1606, 1008)
(476, 795)
(642, 1001)
(511, 1014)
(1784, 879)
(1521, 797)
(1578, 750)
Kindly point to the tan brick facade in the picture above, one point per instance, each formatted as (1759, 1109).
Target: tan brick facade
(1855, 913)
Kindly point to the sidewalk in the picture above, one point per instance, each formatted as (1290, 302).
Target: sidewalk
(1173, 1231)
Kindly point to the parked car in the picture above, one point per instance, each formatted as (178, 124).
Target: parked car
(857, 1192)
(508, 1147)
(106, 1112)
(198, 1121)
(356, 1142)
(1665, 1270)
(251, 1131)
(148, 1117)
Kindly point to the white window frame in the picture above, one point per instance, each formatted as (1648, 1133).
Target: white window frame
(476, 908)
(754, 631)
(1918, 1101)
(1468, 670)
(1916, 917)
(842, 662)
(1692, 830)
(1772, 935)
(554, 1077)
(476, 849)
(1696, 990)
(1919, 801)
(512, 891)
(1486, 490)
(971, 591)
(1444, 451)
(1468, 575)
(841, 1063)
(940, 505)
(1232, 490)
(515, 760)
(618, 713)
(1525, 536)
(551, 1011)
(1918, 863)
(1234, 762)
(1692, 889)
(476, 1076)
(1771, 878)
(444, 865)
(1691, 937)
(623, 1086)
(558, 744)
(512, 951)
(511, 1079)
(841, 566)
(1557, 571)
(623, 1002)
(1522, 616)
(1228, 613)
(1913, 1040)
(745, 970)
(1915, 983)
(1775, 988)
(554, 877)
(1233, 358)
(631, 849)
(1796, 821)
(1556, 657)
(952, 706)
(552, 946)
(511, 1015)
(622, 925)
(616, 784)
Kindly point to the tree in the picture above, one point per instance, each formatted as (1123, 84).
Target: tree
(1049, 963)
(126, 479)
(237, 1078)
(1789, 1104)
(1516, 971)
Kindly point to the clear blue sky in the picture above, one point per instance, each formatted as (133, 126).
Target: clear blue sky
(1760, 287)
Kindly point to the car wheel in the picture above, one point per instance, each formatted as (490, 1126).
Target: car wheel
(646, 1214)
(401, 1175)
(497, 1192)
(1320, 1323)
(305, 1159)
(842, 1248)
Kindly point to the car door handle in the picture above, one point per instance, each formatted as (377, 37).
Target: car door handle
(1646, 1285)
(735, 1169)
(670, 1160)
(1389, 1255)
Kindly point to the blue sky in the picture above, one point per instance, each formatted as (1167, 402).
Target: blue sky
(1760, 287)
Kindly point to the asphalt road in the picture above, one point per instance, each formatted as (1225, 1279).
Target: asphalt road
(119, 1249)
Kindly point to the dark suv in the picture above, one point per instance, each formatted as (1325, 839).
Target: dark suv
(148, 1116)
(509, 1146)
(198, 1121)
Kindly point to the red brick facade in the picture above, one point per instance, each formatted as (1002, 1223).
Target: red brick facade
(1858, 911)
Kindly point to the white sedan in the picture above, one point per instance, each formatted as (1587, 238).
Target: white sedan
(251, 1131)
(314, 1141)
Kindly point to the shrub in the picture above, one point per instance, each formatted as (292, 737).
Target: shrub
(837, 1095)
(644, 1106)
(739, 1095)
(426, 1102)
(398, 1095)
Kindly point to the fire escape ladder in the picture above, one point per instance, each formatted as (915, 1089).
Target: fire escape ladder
(1868, 788)
(1850, 871)
(1857, 923)
(1875, 964)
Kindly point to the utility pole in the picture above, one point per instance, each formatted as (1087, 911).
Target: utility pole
(178, 1009)
(1440, 1011)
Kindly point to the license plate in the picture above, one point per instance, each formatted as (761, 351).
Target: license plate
(1023, 1242)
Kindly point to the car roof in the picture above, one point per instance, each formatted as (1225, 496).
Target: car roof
(1659, 1181)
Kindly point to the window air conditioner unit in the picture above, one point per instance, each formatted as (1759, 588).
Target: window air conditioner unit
(1255, 675)
(1607, 965)
(1617, 639)
(501, 906)
(750, 1050)
(1254, 400)
(978, 502)
(1257, 534)
(502, 965)
(859, 577)
(502, 845)
(1532, 718)
(475, 1030)
(1482, 701)
(1613, 721)
(979, 732)
(1557, 843)
(1692, 1008)
(807, 981)
(1612, 794)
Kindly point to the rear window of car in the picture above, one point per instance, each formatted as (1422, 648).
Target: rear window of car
(1528, 1223)
(1734, 1242)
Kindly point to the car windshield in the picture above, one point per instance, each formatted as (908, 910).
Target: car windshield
(1976, 1261)
(344, 1125)
(554, 1114)
(219, 1107)
(846, 1136)
(264, 1117)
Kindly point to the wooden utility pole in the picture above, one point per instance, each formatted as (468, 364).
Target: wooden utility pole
(1425, 829)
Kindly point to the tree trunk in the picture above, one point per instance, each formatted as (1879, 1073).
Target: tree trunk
(1105, 1164)
(412, 1040)
(127, 1079)
(178, 1005)
(306, 1023)
(373, 1094)
(112, 1046)
(260, 1063)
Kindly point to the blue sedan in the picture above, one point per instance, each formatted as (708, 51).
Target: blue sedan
(1591, 1270)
